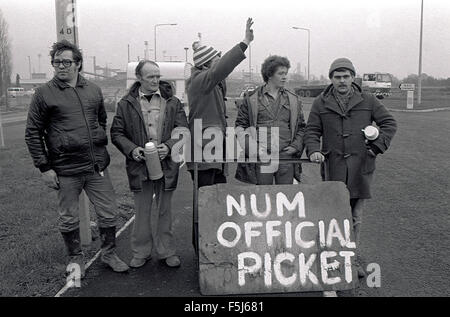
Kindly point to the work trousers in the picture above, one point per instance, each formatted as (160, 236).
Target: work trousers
(153, 221)
(357, 205)
(101, 193)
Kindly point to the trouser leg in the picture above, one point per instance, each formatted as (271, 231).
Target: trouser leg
(141, 234)
(285, 174)
(68, 199)
(205, 178)
(209, 177)
(357, 205)
(357, 209)
(162, 222)
(263, 178)
(101, 193)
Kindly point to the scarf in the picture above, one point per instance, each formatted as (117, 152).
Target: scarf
(343, 100)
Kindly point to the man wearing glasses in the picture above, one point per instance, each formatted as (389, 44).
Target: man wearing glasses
(66, 137)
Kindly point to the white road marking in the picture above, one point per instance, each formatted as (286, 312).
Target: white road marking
(69, 284)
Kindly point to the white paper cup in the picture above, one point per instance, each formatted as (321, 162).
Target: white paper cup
(371, 133)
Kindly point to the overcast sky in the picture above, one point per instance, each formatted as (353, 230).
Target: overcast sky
(377, 35)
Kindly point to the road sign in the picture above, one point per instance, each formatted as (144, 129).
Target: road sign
(407, 86)
(410, 99)
(67, 29)
(275, 239)
(66, 23)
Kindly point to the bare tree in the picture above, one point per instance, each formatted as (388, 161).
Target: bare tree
(5, 58)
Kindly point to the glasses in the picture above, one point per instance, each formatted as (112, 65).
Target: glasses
(65, 62)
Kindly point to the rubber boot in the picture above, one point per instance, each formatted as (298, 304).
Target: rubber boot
(72, 241)
(108, 250)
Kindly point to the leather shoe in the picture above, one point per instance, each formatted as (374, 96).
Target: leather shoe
(173, 261)
(137, 262)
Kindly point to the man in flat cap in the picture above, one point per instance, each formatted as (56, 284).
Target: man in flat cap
(338, 116)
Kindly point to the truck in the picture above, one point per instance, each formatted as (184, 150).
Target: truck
(377, 83)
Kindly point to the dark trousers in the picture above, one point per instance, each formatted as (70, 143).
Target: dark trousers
(205, 178)
(209, 177)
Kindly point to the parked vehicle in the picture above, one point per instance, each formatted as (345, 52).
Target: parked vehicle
(247, 88)
(378, 84)
(29, 92)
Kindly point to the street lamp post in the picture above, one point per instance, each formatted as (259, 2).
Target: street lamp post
(29, 65)
(250, 62)
(146, 50)
(186, 49)
(95, 66)
(156, 25)
(146, 55)
(309, 45)
(39, 65)
(419, 80)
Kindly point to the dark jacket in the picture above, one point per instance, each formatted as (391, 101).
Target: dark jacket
(66, 128)
(128, 131)
(343, 143)
(206, 94)
(248, 117)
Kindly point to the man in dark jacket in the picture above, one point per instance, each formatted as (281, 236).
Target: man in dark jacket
(269, 106)
(206, 94)
(66, 137)
(338, 116)
(150, 113)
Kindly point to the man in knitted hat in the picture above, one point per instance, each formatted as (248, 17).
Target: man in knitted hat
(338, 116)
(206, 94)
(206, 90)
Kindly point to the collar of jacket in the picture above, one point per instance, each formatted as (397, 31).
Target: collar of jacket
(81, 81)
(133, 95)
(265, 89)
(256, 96)
(165, 88)
(331, 103)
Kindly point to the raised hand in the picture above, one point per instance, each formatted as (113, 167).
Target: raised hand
(249, 32)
